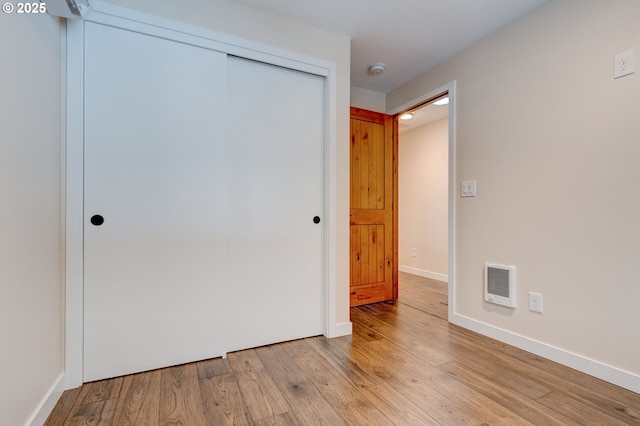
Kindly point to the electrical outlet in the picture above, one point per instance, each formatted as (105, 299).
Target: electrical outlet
(535, 302)
(624, 64)
(413, 252)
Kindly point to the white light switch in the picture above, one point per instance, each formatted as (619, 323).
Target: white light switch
(468, 188)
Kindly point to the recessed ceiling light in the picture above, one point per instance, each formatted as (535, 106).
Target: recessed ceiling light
(376, 69)
(443, 101)
(407, 116)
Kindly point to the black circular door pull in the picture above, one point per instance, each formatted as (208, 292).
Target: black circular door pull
(316, 219)
(97, 220)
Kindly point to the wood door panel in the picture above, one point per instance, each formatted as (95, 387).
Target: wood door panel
(370, 293)
(368, 254)
(368, 165)
(372, 234)
(362, 217)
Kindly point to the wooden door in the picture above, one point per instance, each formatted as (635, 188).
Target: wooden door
(373, 220)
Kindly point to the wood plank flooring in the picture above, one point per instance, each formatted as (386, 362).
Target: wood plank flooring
(425, 294)
(403, 365)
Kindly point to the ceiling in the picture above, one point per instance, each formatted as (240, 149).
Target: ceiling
(408, 36)
(424, 114)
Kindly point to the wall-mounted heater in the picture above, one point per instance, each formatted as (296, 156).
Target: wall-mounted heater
(70, 9)
(500, 284)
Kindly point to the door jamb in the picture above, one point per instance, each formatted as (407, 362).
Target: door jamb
(449, 88)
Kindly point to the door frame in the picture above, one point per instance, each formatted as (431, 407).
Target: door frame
(449, 88)
(74, 158)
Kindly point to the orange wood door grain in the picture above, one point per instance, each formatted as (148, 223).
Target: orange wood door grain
(373, 220)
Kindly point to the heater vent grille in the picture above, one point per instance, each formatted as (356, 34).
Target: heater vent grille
(499, 284)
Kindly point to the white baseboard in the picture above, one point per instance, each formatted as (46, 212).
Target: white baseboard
(591, 367)
(45, 407)
(341, 329)
(422, 273)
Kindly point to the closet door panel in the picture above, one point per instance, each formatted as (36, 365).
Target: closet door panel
(155, 169)
(275, 188)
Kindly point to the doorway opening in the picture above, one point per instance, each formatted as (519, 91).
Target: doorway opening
(423, 199)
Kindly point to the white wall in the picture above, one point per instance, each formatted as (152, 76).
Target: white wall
(31, 318)
(423, 183)
(368, 99)
(552, 140)
(240, 21)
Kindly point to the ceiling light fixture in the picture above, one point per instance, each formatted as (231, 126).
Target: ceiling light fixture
(376, 69)
(443, 101)
(407, 116)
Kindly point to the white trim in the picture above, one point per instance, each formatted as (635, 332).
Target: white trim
(119, 17)
(423, 98)
(74, 316)
(342, 329)
(583, 364)
(330, 189)
(423, 273)
(135, 21)
(48, 403)
(451, 89)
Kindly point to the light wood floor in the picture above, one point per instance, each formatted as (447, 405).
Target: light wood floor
(424, 294)
(404, 365)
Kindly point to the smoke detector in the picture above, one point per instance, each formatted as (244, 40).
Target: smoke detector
(376, 69)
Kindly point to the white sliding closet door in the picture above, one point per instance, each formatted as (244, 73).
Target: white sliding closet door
(155, 170)
(203, 177)
(275, 290)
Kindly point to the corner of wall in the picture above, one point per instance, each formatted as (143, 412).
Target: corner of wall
(368, 99)
(48, 402)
